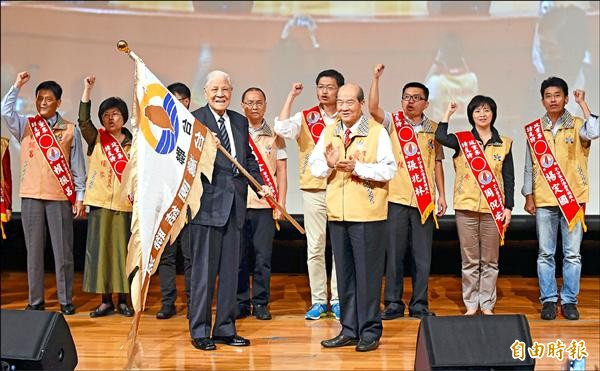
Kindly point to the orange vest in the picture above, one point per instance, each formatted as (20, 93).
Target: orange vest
(102, 188)
(401, 189)
(348, 197)
(268, 147)
(306, 144)
(467, 193)
(37, 179)
(572, 155)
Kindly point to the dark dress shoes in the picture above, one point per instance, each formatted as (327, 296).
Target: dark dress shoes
(548, 310)
(203, 344)
(166, 312)
(243, 312)
(39, 306)
(365, 345)
(570, 311)
(339, 341)
(67, 309)
(391, 312)
(125, 310)
(421, 314)
(262, 312)
(102, 311)
(235, 340)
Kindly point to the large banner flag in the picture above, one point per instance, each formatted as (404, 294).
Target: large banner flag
(169, 152)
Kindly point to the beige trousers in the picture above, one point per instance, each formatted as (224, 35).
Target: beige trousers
(315, 224)
(479, 248)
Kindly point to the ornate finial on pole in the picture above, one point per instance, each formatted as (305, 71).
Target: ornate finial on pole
(123, 46)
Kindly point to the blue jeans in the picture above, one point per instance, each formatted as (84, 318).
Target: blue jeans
(547, 222)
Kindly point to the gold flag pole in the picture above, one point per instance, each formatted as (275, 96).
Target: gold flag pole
(123, 46)
(258, 187)
(133, 345)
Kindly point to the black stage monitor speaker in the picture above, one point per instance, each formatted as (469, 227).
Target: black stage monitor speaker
(472, 343)
(37, 340)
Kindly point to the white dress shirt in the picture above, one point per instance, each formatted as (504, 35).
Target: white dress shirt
(381, 171)
(227, 124)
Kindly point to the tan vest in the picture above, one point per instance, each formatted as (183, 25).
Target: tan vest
(572, 156)
(4, 144)
(268, 147)
(102, 188)
(350, 198)
(37, 179)
(467, 194)
(306, 145)
(401, 190)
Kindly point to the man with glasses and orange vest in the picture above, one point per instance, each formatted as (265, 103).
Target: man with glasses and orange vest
(261, 215)
(411, 196)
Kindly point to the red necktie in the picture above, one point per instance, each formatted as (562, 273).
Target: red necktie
(347, 139)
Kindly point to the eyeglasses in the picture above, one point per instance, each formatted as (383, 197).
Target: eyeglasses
(349, 103)
(259, 104)
(108, 115)
(326, 87)
(414, 98)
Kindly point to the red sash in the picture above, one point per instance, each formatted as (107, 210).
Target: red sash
(264, 172)
(555, 178)
(3, 215)
(53, 154)
(482, 172)
(117, 158)
(314, 120)
(409, 147)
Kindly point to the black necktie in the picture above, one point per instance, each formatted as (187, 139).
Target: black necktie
(223, 137)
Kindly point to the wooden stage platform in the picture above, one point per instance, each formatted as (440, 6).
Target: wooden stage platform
(288, 341)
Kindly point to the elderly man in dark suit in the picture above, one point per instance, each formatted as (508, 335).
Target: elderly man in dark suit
(214, 234)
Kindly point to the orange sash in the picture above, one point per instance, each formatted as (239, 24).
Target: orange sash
(315, 122)
(117, 158)
(264, 172)
(555, 178)
(53, 154)
(409, 147)
(486, 180)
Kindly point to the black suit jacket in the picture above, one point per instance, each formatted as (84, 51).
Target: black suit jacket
(226, 189)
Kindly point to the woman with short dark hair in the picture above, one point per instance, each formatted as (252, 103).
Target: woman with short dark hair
(483, 198)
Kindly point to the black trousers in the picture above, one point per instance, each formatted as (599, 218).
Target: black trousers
(406, 231)
(359, 258)
(167, 269)
(215, 251)
(257, 246)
